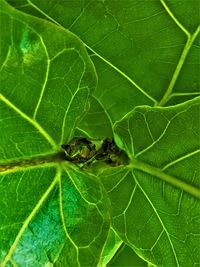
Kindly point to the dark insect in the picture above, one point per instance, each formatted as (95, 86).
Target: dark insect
(111, 154)
(79, 150)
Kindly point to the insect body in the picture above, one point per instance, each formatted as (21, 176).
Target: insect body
(111, 154)
(79, 150)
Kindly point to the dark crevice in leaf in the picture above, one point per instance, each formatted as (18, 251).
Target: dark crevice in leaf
(82, 150)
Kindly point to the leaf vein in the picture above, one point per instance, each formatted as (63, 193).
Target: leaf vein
(174, 18)
(159, 218)
(30, 120)
(45, 80)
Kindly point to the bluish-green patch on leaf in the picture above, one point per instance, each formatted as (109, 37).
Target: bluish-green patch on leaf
(18, 194)
(43, 240)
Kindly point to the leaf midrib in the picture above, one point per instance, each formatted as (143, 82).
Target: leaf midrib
(44, 161)
(158, 173)
(25, 163)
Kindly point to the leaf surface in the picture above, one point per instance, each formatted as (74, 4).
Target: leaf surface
(126, 257)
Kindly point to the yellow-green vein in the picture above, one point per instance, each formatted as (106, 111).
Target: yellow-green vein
(175, 19)
(30, 120)
(179, 66)
(63, 218)
(6, 58)
(105, 110)
(180, 159)
(45, 79)
(75, 185)
(70, 103)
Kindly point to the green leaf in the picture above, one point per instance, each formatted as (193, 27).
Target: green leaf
(144, 52)
(116, 253)
(52, 213)
(126, 257)
(155, 199)
(112, 244)
(145, 55)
